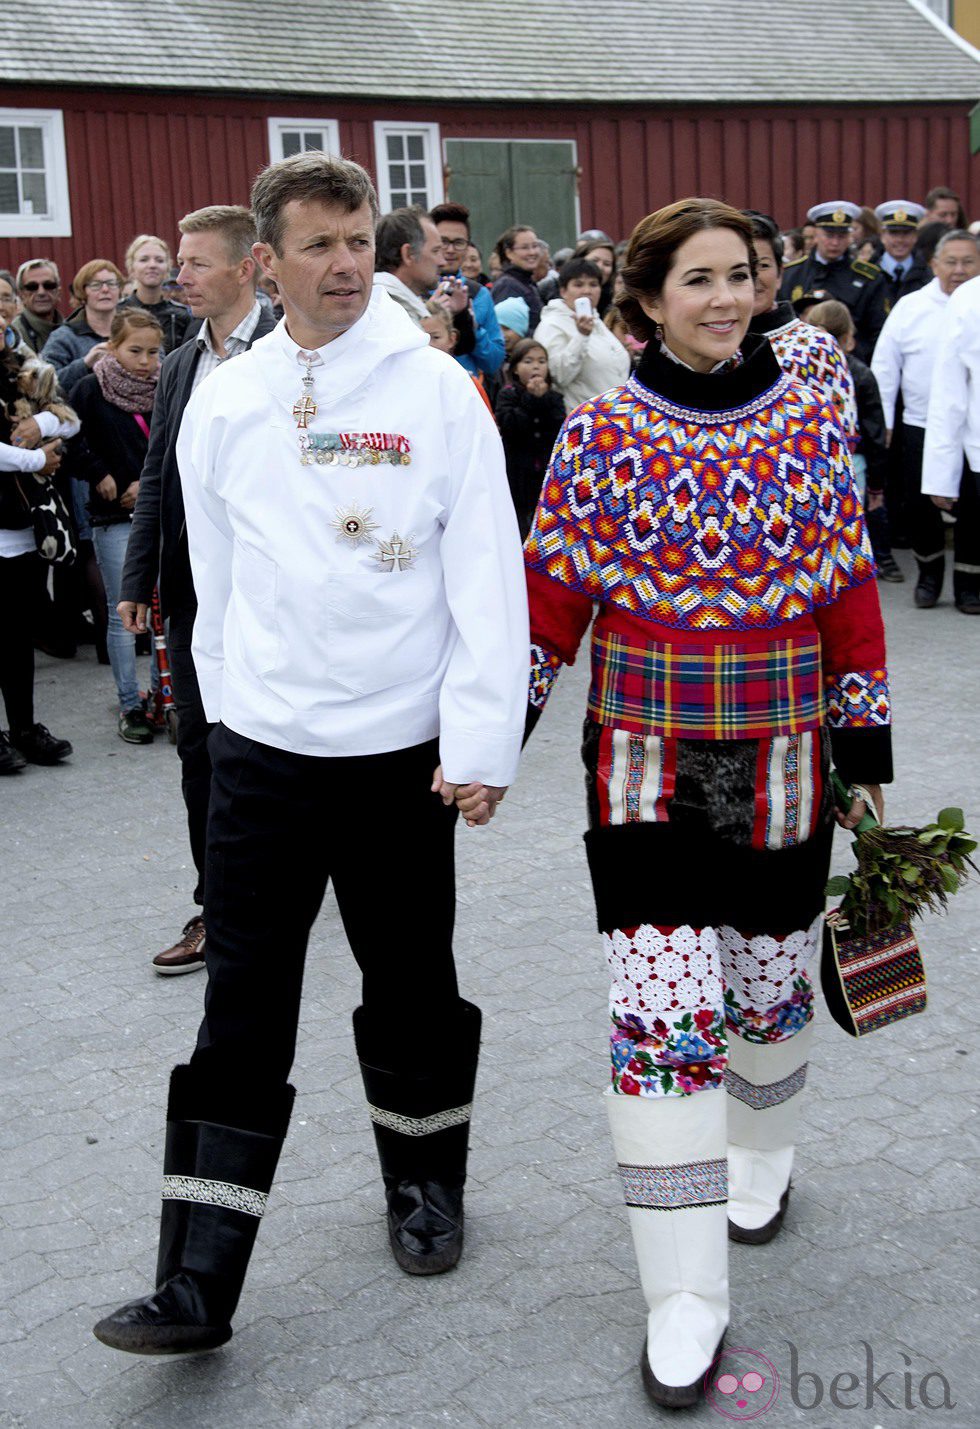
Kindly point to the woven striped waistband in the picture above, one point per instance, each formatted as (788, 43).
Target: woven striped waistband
(707, 691)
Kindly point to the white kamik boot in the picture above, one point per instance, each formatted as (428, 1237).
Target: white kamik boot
(671, 1154)
(764, 1085)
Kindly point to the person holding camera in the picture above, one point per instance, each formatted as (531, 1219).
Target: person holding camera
(584, 357)
(32, 423)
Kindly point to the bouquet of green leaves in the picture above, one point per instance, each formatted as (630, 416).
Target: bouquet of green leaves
(901, 872)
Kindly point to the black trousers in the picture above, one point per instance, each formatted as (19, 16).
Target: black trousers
(926, 524)
(21, 590)
(281, 825)
(192, 740)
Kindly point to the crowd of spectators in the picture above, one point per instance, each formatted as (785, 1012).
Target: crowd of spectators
(538, 333)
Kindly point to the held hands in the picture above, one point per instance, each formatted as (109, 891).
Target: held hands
(476, 802)
(945, 503)
(858, 808)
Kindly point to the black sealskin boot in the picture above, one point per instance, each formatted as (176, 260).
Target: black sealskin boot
(215, 1185)
(422, 1126)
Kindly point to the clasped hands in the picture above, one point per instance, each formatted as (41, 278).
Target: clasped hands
(476, 802)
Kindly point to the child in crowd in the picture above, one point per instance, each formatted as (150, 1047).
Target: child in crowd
(114, 404)
(871, 457)
(442, 334)
(529, 414)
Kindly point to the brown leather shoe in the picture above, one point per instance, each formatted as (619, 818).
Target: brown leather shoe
(186, 955)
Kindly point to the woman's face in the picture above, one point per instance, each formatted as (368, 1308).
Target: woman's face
(581, 287)
(138, 351)
(102, 292)
(534, 363)
(604, 260)
(526, 250)
(8, 306)
(707, 299)
(150, 265)
(470, 266)
(766, 277)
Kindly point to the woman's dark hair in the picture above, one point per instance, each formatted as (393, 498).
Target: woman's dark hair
(508, 238)
(521, 349)
(927, 238)
(577, 268)
(656, 239)
(766, 230)
(877, 248)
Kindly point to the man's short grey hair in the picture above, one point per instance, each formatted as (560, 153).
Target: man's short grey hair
(955, 235)
(313, 177)
(401, 226)
(235, 224)
(33, 263)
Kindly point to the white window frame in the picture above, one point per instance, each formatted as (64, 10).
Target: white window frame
(432, 158)
(278, 125)
(57, 222)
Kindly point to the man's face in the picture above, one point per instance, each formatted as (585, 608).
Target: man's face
(454, 238)
(422, 271)
(899, 242)
(832, 243)
(944, 210)
(325, 271)
(212, 283)
(957, 263)
(37, 298)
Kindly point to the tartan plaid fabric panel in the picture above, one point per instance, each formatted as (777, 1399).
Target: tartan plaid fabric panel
(741, 520)
(707, 691)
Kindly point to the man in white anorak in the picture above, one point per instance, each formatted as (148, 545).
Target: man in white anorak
(361, 643)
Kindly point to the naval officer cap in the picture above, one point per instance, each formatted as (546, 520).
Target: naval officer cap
(900, 213)
(837, 215)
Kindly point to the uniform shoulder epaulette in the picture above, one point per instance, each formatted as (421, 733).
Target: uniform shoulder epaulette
(866, 270)
(795, 262)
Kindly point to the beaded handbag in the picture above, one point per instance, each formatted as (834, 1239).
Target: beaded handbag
(872, 981)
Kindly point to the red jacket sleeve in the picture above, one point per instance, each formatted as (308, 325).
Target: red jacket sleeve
(855, 677)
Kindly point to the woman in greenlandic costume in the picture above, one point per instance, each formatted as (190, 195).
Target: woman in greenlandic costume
(707, 510)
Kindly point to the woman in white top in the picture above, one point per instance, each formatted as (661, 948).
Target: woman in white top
(32, 419)
(584, 357)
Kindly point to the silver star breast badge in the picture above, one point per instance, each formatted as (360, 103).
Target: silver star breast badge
(396, 554)
(354, 525)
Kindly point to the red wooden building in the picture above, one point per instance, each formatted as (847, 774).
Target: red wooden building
(560, 115)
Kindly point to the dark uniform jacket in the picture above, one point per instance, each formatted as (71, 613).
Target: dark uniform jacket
(158, 539)
(859, 286)
(915, 278)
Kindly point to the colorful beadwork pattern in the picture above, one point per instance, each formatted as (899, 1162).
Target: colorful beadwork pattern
(707, 691)
(813, 357)
(672, 1188)
(859, 700)
(644, 506)
(767, 1095)
(882, 977)
(788, 791)
(544, 672)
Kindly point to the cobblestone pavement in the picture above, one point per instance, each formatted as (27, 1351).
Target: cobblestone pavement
(542, 1322)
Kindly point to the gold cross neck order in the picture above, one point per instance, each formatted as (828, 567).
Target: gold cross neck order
(303, 410)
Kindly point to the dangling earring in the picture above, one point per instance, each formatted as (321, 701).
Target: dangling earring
(658, 332)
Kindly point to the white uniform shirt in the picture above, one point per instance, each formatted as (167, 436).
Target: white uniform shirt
(905, 352)
(414, 623)
(953, 418)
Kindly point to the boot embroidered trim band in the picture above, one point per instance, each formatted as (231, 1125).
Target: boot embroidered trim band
(215, 1193)
(672, 1188)
(769, 1094)
(420, 1125)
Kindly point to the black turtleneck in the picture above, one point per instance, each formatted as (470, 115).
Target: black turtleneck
(776, 317)
(712, 391)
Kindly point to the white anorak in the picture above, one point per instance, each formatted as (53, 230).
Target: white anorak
(905, 353)
(307, 642)
(581, 367)
(953, 417)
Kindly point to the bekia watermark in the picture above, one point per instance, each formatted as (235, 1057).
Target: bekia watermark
(743, 1384)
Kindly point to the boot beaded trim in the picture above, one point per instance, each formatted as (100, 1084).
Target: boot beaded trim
(420, 1125)
(673, 1188)
(769, 1093)
(214, 1193)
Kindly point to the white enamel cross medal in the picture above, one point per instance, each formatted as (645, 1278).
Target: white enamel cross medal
(304, 407)
(396, 554)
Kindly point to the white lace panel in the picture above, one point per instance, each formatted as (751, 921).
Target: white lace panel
(663, 972)
(761, 971)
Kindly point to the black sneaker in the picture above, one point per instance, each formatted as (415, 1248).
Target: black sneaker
(11, 760)
(39, 746)
(888, 569)
(133, 726)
